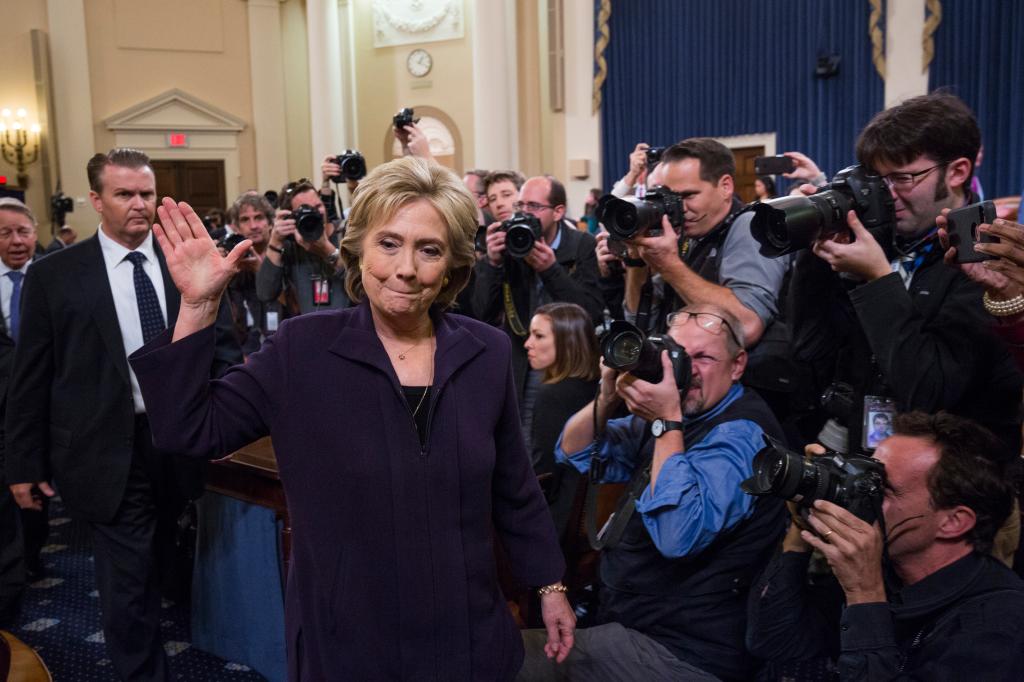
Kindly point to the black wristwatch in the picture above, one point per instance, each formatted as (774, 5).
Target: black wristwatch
(659, 427)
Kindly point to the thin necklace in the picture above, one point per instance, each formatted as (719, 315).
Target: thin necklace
(427, 389)
(401, 356)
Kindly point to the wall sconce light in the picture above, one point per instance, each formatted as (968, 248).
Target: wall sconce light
(15, 137)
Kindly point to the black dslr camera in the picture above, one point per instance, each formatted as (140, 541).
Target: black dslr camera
(522, 231)
(308, 222)
(789, 224)
(631, 217)
(229, 242)
(654, 156)
(625, 348)
(853, 482)
(60, 206)
(353, 166)
(403, 118)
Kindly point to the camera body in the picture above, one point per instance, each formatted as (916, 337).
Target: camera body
(654, 155)
(403, 118)
(522, 231)
(353, 166)
(309, 222)
(789, 224)
(60, 206)
(631, 217)
(626, 348)
(853, 482)
(230, 241)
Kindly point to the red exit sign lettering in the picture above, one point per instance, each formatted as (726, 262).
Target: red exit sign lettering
(177, 140)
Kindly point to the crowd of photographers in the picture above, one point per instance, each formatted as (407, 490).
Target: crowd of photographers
(805, 411)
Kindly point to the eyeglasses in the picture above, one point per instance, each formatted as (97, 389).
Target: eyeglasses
(530, 207)
(300, 185)
(23, 232)
(908, 180)
(706, 321)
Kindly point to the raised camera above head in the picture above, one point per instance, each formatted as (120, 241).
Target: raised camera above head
(353, 166)
(309, 222)
(60, 206)
(789, 224)
(522, 231)
(403, 118)
(853, 482)
(633, 217)
(654, 156)
(625, 348)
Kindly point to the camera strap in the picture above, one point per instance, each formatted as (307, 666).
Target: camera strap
(643, 308)
(611, 532)
(511, 316)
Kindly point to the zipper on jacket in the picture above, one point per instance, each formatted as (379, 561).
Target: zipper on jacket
(425, 447)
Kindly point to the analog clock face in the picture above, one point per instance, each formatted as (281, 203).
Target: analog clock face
(419, 63)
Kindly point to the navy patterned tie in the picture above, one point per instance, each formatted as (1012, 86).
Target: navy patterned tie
(16, 278)
(150, 315)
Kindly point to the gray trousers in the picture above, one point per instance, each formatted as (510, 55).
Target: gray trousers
(607, 653)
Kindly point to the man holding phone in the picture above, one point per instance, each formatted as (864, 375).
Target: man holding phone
(897, 325)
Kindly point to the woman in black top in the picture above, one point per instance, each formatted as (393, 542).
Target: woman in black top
(562, 344)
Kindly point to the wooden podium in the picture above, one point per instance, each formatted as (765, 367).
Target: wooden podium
(250, 475)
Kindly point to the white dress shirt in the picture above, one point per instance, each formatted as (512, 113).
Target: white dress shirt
(7, 288)
(121, 274)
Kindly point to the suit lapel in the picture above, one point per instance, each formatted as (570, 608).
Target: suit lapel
(96, 286)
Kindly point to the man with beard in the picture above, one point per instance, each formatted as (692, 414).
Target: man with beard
(684, 544)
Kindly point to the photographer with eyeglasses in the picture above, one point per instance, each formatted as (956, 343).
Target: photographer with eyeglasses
(303, 258)
(684, 543)
(876, 314)
(533, 257)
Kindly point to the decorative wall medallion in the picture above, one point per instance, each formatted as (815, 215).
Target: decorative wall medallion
(400, 22)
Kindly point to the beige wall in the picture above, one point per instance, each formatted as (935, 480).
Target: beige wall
(383, 86)
(135, 54)
(17, 89)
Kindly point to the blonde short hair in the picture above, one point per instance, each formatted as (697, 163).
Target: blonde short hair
(395, 184)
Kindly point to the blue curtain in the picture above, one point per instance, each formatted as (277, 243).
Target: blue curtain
(979, 55)
(685, 68)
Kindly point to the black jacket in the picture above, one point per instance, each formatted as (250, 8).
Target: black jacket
(965, 621)
(572, 279)
(929, 348)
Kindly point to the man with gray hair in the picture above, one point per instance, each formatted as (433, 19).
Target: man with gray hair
(685, 542)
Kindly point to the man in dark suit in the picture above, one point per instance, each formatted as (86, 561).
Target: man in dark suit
(66, 236)
(17, 249)
(86, 308)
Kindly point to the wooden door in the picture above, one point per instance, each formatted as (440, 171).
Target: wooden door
(745, 175)
(200, 183)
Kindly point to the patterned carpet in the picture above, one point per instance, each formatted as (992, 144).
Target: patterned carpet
(60, 618)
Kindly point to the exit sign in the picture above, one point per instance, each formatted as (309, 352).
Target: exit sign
(177, 140)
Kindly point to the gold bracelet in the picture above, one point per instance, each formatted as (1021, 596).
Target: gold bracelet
(1013, 306)
(555, 587)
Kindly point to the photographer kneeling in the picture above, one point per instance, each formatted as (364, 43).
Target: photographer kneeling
(685, 542)
(303, 253)
(946, 610)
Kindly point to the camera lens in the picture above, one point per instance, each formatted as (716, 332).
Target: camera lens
(625, 349)
(519, 241)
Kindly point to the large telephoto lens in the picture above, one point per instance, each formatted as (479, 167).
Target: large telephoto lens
(783, 473)
(790, 224)
(625, 218)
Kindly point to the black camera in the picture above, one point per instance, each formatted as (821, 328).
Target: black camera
(353, 166)
(630, 217)
(654, 156)
(60, 206)
(403, 118)
(309, 223)
(480, 239)
(853, 482)
(522, 231)
(625, 348)
(230, 241)
(789, 224)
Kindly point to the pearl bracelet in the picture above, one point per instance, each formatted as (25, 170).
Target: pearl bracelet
(1013, 306)
(548, 589)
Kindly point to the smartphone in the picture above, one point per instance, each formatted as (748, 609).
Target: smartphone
(773, 165)
(962, 226)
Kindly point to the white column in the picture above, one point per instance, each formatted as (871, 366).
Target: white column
(495, 117)
(327, 114)
(904, 22)
(69, 62)
(582, 128)
(266, 68)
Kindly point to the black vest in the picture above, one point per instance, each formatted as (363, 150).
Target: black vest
(696, 605)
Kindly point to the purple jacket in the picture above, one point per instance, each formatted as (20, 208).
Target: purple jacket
(393, 573)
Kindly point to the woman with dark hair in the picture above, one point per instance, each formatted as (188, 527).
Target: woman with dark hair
(764, 187)
(396, 431)
(562, 344)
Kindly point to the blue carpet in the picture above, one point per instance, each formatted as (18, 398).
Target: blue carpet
(60, 618)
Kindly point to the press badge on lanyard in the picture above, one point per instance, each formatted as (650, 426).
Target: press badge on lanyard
(321, 291)
(879, 413)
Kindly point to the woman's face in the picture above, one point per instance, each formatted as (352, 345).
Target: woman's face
(405, 260)
(759, 189)
(540, 346)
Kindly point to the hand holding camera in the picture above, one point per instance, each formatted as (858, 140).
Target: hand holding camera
(659, 249)
(541, 256)
(649, 400)
(637, 172)
(495, 244)
(862, 257)
(853, 549)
